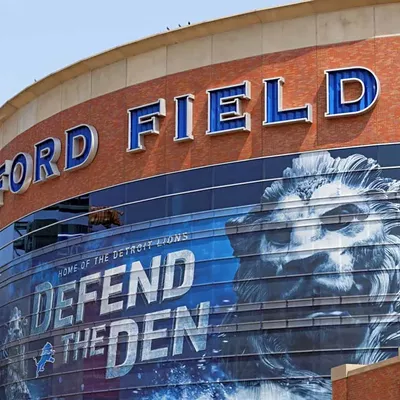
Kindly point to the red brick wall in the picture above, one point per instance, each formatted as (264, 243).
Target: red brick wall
(378, 384)
(305, 83)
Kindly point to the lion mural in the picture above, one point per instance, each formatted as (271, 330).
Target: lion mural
(16, 369)
(328, 230)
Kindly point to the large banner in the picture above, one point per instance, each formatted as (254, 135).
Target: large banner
(257, 301)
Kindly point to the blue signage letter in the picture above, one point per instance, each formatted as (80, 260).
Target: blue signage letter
(225, 109)
(47, 153)
(81, 147)
(184, 118)
(274, 112)
(337, 105)
(4, 179)
(144, 120)
(21, 173)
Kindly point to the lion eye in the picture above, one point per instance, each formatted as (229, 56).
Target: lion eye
(278, 236)
(345, 215)
(336, 227)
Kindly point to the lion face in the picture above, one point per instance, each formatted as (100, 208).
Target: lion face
(324, 244)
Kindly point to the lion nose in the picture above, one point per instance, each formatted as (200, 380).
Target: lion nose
(305, 265)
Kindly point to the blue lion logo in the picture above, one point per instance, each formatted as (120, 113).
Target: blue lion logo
(45, 357)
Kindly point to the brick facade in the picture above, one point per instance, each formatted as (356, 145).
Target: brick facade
(303, 71)
(375, 382)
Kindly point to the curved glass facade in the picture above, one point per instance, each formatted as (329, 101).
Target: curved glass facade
(251, 278)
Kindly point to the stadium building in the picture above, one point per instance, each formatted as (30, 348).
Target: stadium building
(208, 213)
(378, 381)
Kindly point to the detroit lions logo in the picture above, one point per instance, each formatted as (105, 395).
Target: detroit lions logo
(45, 357)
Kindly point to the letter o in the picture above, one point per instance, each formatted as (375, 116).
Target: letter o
(21, 173)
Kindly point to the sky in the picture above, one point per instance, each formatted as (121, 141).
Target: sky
(39, 37)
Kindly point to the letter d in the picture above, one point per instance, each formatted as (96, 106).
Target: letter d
(130, 327)
(186, 260)
(82, 143)
(337, 105)
(44, 289)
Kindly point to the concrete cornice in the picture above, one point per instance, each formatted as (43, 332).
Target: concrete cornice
(195, 31)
